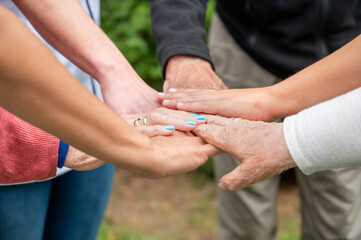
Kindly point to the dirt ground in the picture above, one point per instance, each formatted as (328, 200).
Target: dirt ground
(182, 207)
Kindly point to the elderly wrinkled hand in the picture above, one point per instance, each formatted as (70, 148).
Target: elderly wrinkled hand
(77, 160)
(185, 71)
(259, 147)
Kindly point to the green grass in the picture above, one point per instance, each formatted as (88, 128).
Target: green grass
(111, 231)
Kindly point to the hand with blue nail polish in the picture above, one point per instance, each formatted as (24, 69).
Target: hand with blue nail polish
(163, 121)
(190, 122)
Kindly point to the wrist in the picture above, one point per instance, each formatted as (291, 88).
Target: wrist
(185, 71)
(113, 68)
(288, 97)
(280, 102)
(284, 157)
(183, 61)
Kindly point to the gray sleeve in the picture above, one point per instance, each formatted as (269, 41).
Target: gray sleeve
(178, 29)
(326, 136)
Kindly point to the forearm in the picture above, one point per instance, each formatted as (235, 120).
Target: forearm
(326, 136)
(330, 77)
(32, 86)
(67, 27)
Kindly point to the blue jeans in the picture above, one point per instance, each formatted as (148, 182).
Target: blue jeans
(69, 207)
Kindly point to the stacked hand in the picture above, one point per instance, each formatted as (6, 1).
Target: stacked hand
(256, 145)
(159, 122)
(252, 104)
(259, 147)
(191, 72)
(125, 92)
(163, 121)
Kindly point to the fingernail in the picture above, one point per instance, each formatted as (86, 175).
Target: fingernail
(190, 122)
(180, 104)
(172, 90)
(201, 117)
(166, 101)
(161, 94)
(194, 114)
(169, 127)
(221, 186)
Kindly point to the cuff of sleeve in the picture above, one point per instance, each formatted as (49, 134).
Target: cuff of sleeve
(293, 146)
(63, 151)
(198, 52)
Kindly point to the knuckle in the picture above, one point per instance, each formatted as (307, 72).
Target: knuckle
(161, 110)
(202, 105)
(231, 184)
(153, 116)
(157, 110)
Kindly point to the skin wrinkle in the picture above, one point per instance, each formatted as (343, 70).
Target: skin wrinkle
(182, 73)
(255, 144)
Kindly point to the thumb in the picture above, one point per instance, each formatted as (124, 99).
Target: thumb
(212, 134)
(232, 181)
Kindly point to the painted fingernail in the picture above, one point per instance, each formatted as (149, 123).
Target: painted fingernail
(166, 101)
(169, 127)
(201, 117)
(172, 90)
(190, 122)
(194, 114)
(221, 186)
(161, 94)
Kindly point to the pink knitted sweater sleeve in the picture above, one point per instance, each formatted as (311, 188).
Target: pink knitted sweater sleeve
(27, 153)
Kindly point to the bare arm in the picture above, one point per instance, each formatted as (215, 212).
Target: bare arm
(32, 86)
(330, 77)
(67, 27)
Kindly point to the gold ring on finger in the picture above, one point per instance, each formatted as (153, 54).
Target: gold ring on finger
(237, 119)
(144, 120)
(136, 122)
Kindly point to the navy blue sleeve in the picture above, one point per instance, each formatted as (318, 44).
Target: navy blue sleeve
(63, 151)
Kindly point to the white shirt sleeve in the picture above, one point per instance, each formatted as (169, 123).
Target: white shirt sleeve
(327, 135)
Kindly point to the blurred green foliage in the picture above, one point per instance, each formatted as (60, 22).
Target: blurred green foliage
(128, 24)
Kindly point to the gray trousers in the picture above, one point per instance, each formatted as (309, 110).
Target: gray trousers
(331, 200)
